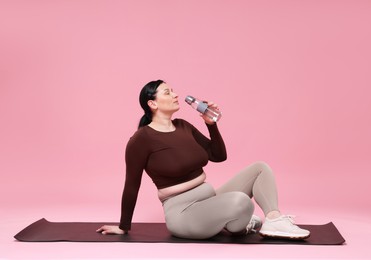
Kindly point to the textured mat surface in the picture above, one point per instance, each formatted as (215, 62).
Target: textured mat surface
(45, 231)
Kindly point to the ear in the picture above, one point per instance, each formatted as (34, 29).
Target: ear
(152, 104)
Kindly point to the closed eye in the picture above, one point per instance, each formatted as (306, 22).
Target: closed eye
(167, 91)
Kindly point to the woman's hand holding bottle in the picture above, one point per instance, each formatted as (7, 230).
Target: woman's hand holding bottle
(209, 110)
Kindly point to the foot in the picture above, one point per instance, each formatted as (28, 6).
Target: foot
(254, 224)
(283, 227)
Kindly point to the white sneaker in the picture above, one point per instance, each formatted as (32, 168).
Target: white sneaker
(283, 227)
(254, 224)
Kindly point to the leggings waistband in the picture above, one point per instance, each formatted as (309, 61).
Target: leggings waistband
(198, 193)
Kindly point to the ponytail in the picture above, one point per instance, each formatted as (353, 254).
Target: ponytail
(145, 120)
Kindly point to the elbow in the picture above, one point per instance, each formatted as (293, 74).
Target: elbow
(219, 158)
(223, 156)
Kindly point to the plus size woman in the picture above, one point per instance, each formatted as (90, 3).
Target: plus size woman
(174, 153)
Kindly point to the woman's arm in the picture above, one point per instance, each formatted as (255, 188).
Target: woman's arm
(135, 158)
(214, 146)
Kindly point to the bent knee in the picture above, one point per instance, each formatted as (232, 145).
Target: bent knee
(239, 203)
(262, 166)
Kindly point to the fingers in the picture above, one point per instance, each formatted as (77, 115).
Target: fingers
(106, 230)
(102, 229)
(212, 104)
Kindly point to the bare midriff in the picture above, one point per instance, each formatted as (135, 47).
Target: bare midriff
(168, 192)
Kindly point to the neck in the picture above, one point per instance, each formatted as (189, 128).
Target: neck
(162, 124)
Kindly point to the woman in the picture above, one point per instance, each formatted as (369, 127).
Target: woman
(173, 153)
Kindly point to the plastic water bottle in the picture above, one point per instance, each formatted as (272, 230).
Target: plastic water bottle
(202, 107)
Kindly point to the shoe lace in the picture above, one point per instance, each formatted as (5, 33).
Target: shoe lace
(290, 218)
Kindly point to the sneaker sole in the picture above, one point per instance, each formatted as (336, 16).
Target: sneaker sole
(284, 236)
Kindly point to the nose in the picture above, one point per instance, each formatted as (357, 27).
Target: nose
(175, 95)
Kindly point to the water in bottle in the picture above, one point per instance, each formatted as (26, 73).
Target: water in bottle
(202, 107)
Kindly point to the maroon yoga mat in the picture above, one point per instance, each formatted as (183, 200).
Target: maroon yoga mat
(45, 231)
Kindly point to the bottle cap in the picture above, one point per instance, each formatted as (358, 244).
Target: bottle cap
(189, 99)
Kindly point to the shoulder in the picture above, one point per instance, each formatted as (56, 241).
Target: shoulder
(178, 122)
(139, 138)
(137, 148)
(140, 133)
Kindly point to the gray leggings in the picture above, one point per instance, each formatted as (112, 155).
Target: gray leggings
(203, 212)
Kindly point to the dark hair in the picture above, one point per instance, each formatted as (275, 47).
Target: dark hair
(148, 92)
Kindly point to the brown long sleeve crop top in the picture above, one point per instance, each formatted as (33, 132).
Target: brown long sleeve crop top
(169, 158)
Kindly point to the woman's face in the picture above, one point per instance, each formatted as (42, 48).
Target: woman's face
(166, 99)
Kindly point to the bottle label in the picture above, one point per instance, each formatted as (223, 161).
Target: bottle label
(202, 107)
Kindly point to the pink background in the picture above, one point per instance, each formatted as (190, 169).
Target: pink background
(292, 79)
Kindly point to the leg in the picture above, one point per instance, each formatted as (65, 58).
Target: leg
(256, 180)
(206, 217)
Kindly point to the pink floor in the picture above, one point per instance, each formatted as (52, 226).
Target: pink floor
(354, 225)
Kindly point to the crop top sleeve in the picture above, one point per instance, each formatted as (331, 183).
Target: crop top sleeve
(214, 146)
(168, 159)
(135, 158)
